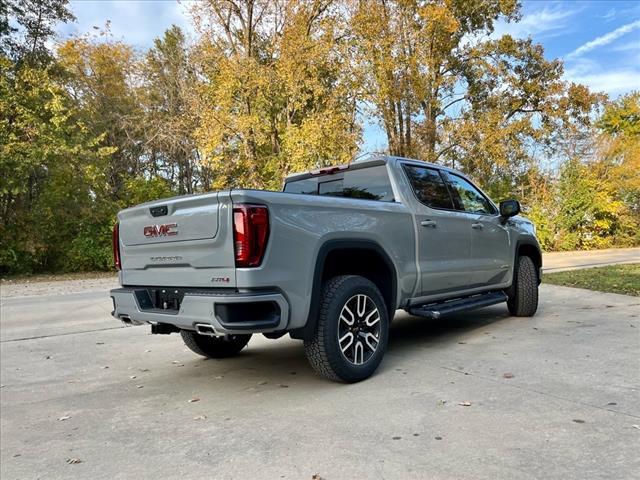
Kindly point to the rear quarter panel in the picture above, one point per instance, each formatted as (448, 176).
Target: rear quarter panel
(301, 224)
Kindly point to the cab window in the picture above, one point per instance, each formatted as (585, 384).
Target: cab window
(466, 197)
(429, 187)
(369, 183)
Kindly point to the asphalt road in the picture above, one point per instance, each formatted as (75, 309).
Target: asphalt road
(555, 396)
(559, 261)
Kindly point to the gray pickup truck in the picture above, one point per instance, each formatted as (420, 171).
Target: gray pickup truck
(328, 260)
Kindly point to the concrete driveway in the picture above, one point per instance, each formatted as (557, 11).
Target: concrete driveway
(555, 396)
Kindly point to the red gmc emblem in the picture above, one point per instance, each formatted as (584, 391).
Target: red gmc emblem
(152, 231)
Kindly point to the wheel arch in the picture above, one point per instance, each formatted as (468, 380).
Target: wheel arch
(350, 256)
(531, 249)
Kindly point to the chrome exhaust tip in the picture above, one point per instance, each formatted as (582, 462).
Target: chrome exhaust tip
(126, 320)
(205, 329)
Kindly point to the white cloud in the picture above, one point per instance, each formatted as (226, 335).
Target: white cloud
(539, 22)
(632, 46)
(604, 39)
(611, 81)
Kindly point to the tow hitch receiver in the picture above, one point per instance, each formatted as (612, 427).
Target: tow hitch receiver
(163, 329)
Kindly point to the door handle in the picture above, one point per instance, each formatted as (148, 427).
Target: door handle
(428, 223)
(477, 226)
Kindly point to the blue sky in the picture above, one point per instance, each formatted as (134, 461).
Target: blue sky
(599, 41)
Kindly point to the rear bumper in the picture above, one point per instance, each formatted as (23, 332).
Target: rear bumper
(226, 313)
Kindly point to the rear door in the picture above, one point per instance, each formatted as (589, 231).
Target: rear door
(182, 241)
(490, 240)
(444, 234)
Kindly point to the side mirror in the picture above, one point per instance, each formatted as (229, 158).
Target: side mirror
(509, 208)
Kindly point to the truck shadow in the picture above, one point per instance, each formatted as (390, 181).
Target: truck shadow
(268, 364)
(409, 332)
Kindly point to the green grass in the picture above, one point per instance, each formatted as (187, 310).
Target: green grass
(623, 279)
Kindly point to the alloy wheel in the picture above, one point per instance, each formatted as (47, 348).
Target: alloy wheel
(359, 329)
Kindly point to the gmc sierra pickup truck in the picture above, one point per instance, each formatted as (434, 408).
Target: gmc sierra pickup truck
(328, 260)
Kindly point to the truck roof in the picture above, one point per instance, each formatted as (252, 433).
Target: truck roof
(363, 161)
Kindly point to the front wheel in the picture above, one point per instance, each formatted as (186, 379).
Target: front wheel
(214, 347)
(352, 330)
(523, 294)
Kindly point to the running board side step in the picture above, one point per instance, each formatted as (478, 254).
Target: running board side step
(437, 310)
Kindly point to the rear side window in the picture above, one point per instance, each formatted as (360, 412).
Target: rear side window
(371, 183)
(467, 197)
(429, 186)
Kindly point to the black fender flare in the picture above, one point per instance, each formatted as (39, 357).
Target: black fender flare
(530, 242)
(326, 248)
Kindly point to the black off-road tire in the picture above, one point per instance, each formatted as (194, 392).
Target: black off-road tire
(323, 349)
(214, 347)
(523, 294)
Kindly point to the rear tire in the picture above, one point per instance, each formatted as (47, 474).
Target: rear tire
(523, 294)
(352, 330)
(214, 347)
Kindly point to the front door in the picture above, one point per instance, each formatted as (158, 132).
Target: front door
(490, 240)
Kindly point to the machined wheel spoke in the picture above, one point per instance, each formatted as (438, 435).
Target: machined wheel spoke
(358, 353)
(346, 341)
(351, 315)
(372, 341)
(361, 305)
(372, 318)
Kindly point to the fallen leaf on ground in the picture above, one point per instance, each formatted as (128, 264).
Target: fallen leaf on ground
(316, 477)
(99, 343)
(66, 417)
(200, 417)
(147, 351)
(72, 461)
(465, 404)
(139, 386)
(193, 400)
(132, 377)
(578, 420)
(508, 375)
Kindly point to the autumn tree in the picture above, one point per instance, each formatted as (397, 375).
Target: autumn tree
(169, 80)
(446, 91)
(24, 38)
(45, 148)
(276, 94)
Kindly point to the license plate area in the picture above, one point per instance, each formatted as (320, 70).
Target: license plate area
(165, 300)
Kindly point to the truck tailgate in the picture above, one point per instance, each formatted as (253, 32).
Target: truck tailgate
(182, 241)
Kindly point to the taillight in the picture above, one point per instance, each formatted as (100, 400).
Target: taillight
(115, 241)
(250, 234)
